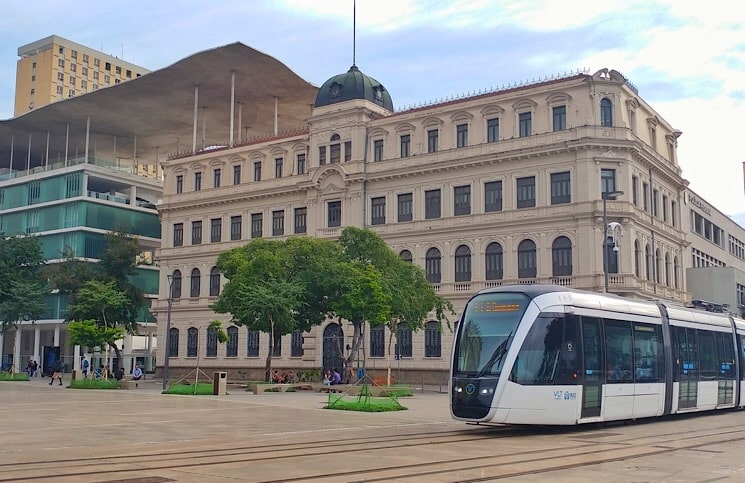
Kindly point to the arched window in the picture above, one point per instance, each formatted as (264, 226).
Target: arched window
(611, 252)
(252, 344)
(403, 341)
(649, 261)
(637, 258)
(173, 342)
(526, 260)
(658, 266)
(432, 339)
(296, 344)
(214, 282)
(494, 261)
(561, 257)
(195, 283)
(606, 112)
(192, 342)
(668, 269)
(211, 342)
(377, 341)
(176, 285)
(432, 265)
(405, 255)
(463, 264)
(277, 344)
(232, 347)
(335, 149)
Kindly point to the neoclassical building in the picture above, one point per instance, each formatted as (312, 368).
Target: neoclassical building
(571, 180)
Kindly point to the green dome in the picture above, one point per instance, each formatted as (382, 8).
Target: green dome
(353, 85)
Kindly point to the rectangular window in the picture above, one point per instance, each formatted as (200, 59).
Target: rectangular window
(461, 135)
(278, 223)
(215, 230)
(493, 196)
(378, 150)
(236, 175)
(377, 341)
(334, 213)
(635, 190)
(526, 124)
(433, 136)
(561, 189)
(492, 130)
(462, 200)
(252, 345)
(179, 184)
(560, 118)
(432, 207)
(405, 206)
(322, 155)
(655, 202)
(197, 181)
(216, 173)
(526, 192)
(664, 207)
(196, 232)
(301, 163)
(60, 76)
(278, 162)
(178, 234)
(377, 210)
(405, 145)
(607, 181)
(335, 153)
(347, 150)
(301, 220)
(257, 221)
(673, 213)
(257, 171)
(645, 196)
(236, 227)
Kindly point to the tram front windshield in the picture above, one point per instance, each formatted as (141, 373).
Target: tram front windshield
(486, 332)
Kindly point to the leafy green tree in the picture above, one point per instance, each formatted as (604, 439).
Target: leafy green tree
(103, 303)
(89, 333)
(404, 287)
(22, 289)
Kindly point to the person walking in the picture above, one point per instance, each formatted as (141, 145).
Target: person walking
(59, 366)
(137, 375)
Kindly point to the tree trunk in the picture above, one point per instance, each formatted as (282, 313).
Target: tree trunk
(390, 345)
(268, 363)
(356, 340)
(118, 353)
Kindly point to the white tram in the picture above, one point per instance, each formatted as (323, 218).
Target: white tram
(544, 354)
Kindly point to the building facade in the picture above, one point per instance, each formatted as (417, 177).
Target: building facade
(71, 206)
(54, 68)
(515, 186)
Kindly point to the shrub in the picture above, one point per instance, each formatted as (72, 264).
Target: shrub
(199, 389)
(19, 376)
(364, 403)
(92, 383)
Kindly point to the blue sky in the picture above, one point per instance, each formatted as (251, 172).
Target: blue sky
(686, 58)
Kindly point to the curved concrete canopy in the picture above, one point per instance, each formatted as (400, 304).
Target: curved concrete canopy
(158, 108)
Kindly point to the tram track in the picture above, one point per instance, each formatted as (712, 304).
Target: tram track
(583, 449)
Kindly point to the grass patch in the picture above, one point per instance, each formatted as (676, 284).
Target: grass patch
(93, 384)
(200, 389)
(364, 403)
(398, 390)
(19, 376)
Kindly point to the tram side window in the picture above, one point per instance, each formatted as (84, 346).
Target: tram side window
(618, 349)
(707, 355)
(550, 353)
(648, 361)
(742, 357)
(726, 353)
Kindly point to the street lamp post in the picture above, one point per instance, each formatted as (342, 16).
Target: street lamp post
(608, 195)
(167, 345)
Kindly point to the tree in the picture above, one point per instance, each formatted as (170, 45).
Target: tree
(101, 302)
(404, 287)
(88, 333)
(22, 290)
(277, 287)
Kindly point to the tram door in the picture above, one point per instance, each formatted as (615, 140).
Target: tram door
(686, 367)
(592, 390)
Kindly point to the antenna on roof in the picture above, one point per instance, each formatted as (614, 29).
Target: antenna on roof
(354, 32)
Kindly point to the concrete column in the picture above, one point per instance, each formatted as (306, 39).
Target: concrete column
(2, 348)
(17, 350)
(56, 336)
(37, 343)
(87, 136)
(76, 362)
(126, 361)
(150, 351)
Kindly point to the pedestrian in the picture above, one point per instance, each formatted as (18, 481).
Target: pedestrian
(59, 366)
(85, 365)
(119, 376)
(137, 375)
(34, 368)
(30, 368)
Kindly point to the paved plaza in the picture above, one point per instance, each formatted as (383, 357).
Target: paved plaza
(141, 436)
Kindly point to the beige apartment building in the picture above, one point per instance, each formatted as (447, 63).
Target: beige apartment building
(54, 68)
(519, 185)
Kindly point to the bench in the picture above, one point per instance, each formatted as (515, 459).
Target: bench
(128, 384)
(272, 387)
(334, 388)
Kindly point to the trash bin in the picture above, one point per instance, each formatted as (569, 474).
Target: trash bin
(220, 383)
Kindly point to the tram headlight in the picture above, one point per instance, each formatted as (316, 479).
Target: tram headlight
(487, 391)
(458, 389)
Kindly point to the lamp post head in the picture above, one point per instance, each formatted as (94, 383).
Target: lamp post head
(610, 195)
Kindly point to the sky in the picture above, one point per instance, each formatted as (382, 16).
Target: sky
(686, 58)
